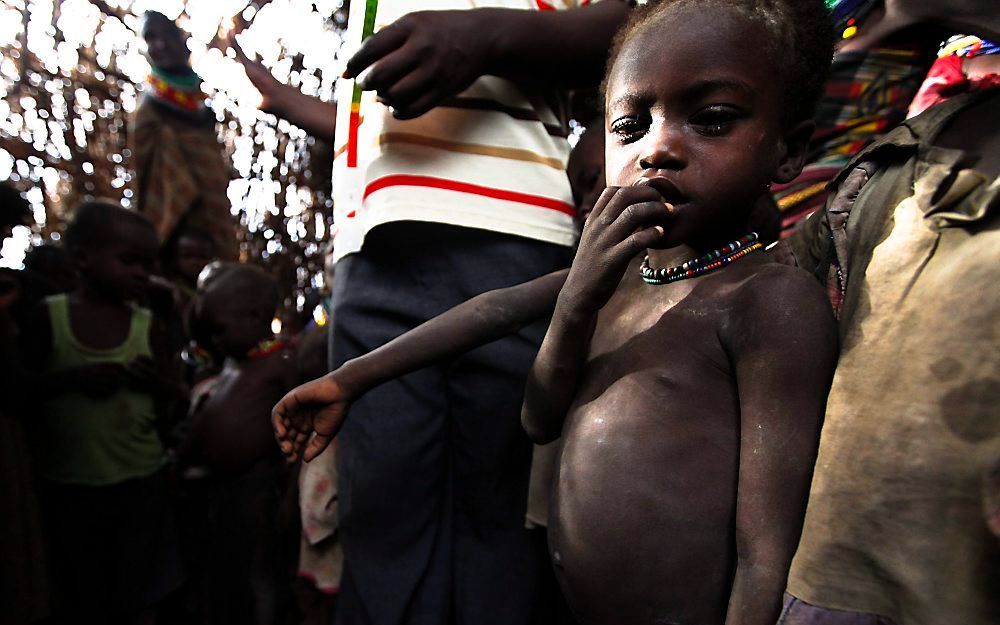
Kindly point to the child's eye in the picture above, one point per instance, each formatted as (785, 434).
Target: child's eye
(714, 121)
(628, 129)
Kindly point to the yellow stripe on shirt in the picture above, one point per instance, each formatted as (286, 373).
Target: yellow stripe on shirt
(514, 154)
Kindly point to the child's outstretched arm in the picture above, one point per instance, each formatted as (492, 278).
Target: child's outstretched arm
(319, 407)
(784, 347)
(620, 226)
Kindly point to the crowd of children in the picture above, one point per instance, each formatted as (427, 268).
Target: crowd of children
(799, 435)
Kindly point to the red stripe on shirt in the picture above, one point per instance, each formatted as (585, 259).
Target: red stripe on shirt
(406, 180)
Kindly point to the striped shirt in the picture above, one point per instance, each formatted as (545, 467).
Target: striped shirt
(493, 157)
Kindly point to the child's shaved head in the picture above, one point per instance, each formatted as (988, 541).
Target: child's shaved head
(800, 42)
(239, 280)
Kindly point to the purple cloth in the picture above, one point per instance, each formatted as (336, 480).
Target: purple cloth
(798, 612)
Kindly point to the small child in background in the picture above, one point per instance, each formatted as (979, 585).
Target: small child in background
(250, 547)
(95, 360)
(183, 256)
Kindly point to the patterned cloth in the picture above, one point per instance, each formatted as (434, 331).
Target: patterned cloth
(867, 93)
(182, 172)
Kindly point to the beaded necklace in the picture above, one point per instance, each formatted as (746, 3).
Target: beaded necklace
(180, 91)
(702, 264)
(266, 348)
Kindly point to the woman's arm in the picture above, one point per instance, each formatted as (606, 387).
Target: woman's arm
(315, 116)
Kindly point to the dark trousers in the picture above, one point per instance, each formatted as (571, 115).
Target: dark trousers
(434, 466)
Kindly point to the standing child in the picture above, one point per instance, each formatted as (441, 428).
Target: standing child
(94, 361)
(685, 370)
(248, 562)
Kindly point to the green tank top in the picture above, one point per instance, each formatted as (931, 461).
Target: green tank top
(97, 442)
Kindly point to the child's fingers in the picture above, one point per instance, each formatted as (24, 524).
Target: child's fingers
(638, 216)
(621, 204)
(606, 196)
(316, 446)
(637, 242)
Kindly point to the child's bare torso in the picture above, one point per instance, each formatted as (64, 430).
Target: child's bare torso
(643, 519)
(233, 424)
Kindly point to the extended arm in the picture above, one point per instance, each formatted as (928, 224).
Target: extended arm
(315, 116)
(783, 344)
(320, 406)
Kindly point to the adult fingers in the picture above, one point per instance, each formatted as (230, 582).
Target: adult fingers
(425, 97)
(375, 47)
(417, 92)
(389, 70)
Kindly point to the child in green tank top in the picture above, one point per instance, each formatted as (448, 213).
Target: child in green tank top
(95, 359)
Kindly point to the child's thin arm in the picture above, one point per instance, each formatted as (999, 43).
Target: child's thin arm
(320, 406)
(554, 376)
(784, 350)
(617, 230)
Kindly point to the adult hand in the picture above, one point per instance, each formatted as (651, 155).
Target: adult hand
(624, 222)
(424, 58)
(316, 409)
(272, 91)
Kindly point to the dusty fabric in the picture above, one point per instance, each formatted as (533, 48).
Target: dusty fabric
(898, 516)
(182, 172)
(321, 557)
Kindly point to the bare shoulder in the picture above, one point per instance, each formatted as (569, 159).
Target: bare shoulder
(778, 286)
(781, 301)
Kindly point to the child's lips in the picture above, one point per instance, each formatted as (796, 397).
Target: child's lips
(667, 189)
